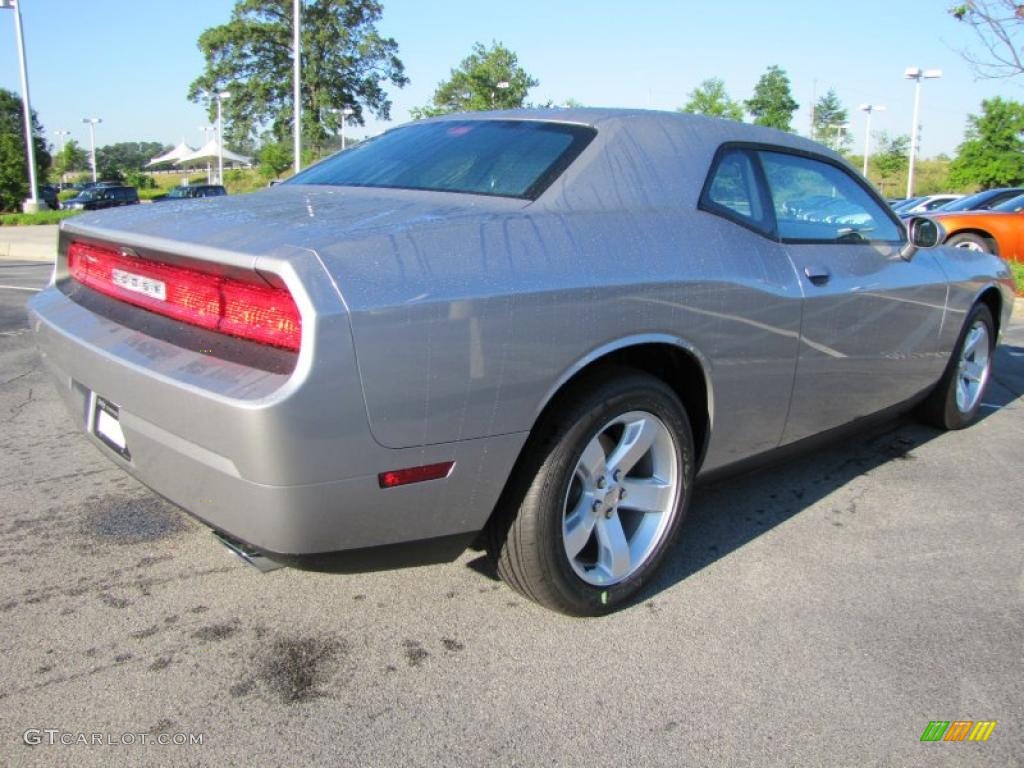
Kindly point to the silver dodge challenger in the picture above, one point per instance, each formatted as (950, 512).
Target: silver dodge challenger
(533, 329)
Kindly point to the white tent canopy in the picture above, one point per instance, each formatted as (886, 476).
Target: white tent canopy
(180, 151)
(209, 151)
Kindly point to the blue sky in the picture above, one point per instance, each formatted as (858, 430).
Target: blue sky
(131, 61)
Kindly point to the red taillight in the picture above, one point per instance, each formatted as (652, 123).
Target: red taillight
(398, 477)
(260, 313)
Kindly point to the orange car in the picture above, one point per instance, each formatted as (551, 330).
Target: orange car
(999, 230)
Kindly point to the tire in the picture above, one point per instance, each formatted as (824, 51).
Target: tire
(970, 241)
(564, 495)
(956, 399)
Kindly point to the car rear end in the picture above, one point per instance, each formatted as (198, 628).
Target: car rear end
(192, 368)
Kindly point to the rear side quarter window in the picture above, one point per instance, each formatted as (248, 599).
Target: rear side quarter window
(733, 191)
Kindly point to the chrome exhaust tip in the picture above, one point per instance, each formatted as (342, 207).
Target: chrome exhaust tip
(247, 554)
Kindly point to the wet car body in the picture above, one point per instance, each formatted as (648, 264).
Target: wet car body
(437, 327)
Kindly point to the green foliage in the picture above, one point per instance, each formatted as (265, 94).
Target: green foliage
(29, 219)
(772, 104)
(710, 98)
(891, 155)
(345, 62)
(139, 180)
(1017, 268)
(241, 180)
(14, 180)
(72, 158)
(829, 124)
(275, 158)
(992, 154)
(473, 86)
(117, 160)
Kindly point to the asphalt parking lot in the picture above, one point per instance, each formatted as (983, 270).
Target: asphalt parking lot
(820, 613)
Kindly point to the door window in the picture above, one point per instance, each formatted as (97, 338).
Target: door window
(819, 202)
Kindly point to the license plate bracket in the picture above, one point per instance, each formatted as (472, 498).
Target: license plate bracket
(106, 425)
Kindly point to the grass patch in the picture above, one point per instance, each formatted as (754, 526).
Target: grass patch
(29, 219)
(1017, 270)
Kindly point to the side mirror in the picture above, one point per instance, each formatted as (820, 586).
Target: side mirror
(922, 233)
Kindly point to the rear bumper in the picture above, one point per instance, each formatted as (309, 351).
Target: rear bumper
(284, 462)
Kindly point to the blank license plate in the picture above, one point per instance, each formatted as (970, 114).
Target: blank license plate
(106, 425)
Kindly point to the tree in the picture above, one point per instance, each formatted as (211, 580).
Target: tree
(829, 123)
(275, 158)
(710, 98)
(489, 78)
(126, 156)
(345, 63)
(70, 159)
(892, 155)
(992, 154)
(14, 180)
(999, 26)
(772, 104)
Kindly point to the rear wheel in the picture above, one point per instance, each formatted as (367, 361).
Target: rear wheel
(598, 497)
(969, 241)
(956, 399)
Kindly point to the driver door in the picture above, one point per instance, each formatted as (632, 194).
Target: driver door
(871, 319)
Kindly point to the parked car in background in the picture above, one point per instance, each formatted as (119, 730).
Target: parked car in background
(899, 205)
(48, 194)
(192, 191)
(982, 201)
(999, 230)
(101, 196)
(927, 203)
(531, 329)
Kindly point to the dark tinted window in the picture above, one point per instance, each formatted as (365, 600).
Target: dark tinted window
(1013, 205)
(983, 200)
(509, 158)
(817, 201)
(733, 191)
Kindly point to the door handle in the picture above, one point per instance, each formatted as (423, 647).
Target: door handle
(817, 275)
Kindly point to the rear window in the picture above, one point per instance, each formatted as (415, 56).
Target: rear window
(507, 158)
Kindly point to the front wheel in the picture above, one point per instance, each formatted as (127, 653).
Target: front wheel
(956, 399)
(970, 242)
(598, 497)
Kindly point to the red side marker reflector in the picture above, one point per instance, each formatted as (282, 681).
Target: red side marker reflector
(398, 477)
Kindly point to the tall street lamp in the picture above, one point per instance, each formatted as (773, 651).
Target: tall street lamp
(32, 204)
(92, 121)
(868, 109)
(206, 131)
(61, 135)
(917, 75)
(220, 96)
(297, 81)
(344, 112)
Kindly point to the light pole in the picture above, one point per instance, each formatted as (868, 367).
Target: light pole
(344, 112)
(297, 81)
(220, 96)
(868, 109)
(61, 135)
(92, 121)
(206, 131)
(32, 204)
(917, 75)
